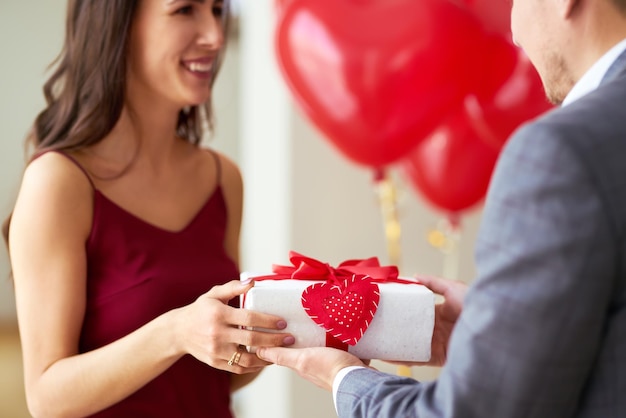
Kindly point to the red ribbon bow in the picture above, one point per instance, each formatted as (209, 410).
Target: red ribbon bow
(307, 268)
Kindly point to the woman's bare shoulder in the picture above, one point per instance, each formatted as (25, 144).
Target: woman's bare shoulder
(229, 173)
(230, 170)
(56, 185)
(54, 169)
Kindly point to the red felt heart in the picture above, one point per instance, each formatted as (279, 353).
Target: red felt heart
(377, 76)
(344, 309)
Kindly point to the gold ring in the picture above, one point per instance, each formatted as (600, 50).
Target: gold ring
(234, 359)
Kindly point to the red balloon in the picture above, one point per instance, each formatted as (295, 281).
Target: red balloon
(494, 15)
(497, 60)
(377, 76)
(453, 167)
(519, 98)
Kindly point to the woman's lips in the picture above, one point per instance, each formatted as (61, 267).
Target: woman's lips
(200, 67)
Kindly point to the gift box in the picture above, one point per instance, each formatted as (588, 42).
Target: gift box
(359, 307)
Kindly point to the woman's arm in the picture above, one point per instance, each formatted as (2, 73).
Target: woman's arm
(51, 222)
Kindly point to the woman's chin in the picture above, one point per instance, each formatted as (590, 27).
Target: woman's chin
(198, 100)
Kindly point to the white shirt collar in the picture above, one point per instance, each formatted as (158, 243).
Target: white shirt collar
(593, 77)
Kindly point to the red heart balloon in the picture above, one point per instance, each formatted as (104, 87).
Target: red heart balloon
(453, 167)
(343, 309)
(494, 15)
(497, 60)
(377, 76)
(518, 98)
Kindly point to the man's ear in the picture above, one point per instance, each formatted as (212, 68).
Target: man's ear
(568, 7)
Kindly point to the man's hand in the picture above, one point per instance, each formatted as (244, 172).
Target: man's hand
(446, 315)
(318, 365)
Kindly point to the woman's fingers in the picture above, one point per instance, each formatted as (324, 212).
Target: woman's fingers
(229, 290)
(243, 317)
(254, 338)
(255, 329)
(248, 318)
(240, 361)
(240, 328)
(249, 363)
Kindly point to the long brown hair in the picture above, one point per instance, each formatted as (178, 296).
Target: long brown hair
(85, 93)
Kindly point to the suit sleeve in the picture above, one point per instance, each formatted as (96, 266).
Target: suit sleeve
(534, 317)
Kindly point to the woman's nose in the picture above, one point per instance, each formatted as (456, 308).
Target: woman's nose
(211, 30)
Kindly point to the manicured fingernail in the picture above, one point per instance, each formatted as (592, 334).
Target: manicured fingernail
(281, 324)
(246, 282)
(259, 353)
(289, 340)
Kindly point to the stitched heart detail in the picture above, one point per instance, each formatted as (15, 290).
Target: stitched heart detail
(345, 309)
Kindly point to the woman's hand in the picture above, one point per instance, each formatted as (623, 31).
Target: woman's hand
(216, 333)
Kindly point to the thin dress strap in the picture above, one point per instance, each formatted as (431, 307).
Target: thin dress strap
(218, 167)
(76, 163)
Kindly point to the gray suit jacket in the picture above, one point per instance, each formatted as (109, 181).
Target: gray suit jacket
(543, 330)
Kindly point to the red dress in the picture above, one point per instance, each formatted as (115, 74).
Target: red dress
(136, 272)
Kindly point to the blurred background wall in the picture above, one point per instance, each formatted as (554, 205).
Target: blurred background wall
(300, 193)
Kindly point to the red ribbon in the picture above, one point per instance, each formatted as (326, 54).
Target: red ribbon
(307, 268)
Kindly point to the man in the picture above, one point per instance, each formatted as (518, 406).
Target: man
(543, 328)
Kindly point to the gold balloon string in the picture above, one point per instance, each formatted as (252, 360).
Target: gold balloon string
(388, 201)
(387, 197)
(445, 237)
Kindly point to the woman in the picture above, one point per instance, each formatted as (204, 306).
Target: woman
(124, 236)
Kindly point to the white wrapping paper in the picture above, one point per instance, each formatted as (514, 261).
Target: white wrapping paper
(401, 330)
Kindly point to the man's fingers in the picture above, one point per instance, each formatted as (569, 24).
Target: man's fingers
(277, 355)
(436, 284)
(318, 365)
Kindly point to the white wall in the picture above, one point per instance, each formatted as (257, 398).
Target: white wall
(300, 193)
(30, 37)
